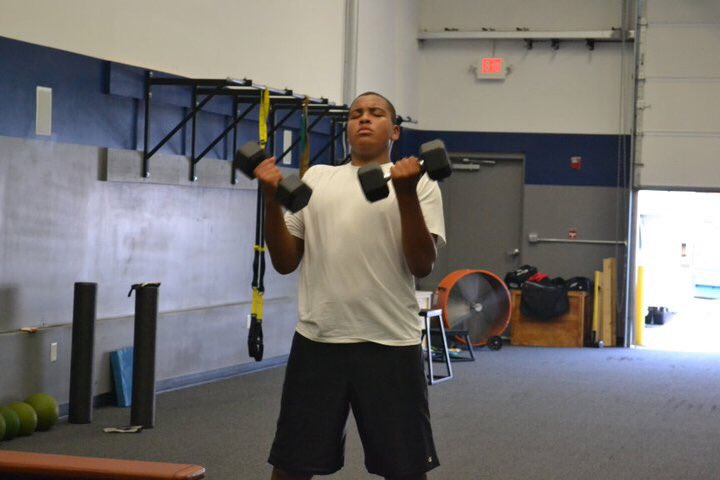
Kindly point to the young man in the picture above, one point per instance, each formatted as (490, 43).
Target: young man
(357, 341)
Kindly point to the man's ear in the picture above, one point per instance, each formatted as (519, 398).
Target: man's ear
(395, 133)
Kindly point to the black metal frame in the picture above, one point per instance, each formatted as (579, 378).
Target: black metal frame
(244, 93)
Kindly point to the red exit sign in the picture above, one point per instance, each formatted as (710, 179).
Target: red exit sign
(491, 65)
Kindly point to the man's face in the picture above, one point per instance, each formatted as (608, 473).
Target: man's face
(370, 127)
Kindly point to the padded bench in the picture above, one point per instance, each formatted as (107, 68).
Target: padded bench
(26, 465)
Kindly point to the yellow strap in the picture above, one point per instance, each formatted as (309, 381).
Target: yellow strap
(259, 312)
(305, 153)
(257, 304)
(262, 119)
(258, 248)
(253, 304)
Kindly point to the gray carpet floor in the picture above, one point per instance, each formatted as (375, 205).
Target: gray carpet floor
(519, 413)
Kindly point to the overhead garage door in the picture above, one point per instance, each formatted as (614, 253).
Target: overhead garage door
(678, 103)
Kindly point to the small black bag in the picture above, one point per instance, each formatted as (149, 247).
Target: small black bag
(517, 277)
(544, 300)
(580, 284)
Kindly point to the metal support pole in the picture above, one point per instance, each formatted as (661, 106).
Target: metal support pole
(350, 54)
(146, 127)
(193, 136)
(233, 173)
(81, 357)
(633, 185)
(143, 386)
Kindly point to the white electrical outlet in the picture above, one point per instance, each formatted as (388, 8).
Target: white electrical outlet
(53, 352)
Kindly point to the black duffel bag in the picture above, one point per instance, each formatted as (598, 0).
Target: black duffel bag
(544, 300)
(579, 284)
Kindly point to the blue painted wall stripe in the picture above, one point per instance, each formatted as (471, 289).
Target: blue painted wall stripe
(96, 102)
(547, 156)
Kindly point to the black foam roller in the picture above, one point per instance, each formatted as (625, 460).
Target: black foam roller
(81, 356)
(142, 411)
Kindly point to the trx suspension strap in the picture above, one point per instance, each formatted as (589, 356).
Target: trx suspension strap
(304, 139)
(255, 334)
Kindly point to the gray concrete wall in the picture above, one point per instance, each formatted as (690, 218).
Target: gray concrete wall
(596, 213)
(60, 223)
(548, 210)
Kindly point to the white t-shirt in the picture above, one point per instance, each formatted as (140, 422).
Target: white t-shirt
(355, 285)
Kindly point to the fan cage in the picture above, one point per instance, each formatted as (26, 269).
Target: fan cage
(500, 291)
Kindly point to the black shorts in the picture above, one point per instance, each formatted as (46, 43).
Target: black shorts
(387, 391)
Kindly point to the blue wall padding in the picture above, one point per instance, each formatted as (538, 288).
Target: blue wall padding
(547, 156)
(101, 103)
(79, 107)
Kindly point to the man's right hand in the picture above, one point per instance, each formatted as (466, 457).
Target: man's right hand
(286, 251)
(269, 176)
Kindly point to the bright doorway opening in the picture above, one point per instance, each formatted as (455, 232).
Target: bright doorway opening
(679, 248)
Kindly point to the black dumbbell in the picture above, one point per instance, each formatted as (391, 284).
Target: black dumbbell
(292, 192)
(433, 159)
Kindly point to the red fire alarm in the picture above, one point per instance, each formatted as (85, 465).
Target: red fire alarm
(572, 234)
(576, 162)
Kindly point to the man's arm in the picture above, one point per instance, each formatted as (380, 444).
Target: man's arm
(417, 242)
(286, 250)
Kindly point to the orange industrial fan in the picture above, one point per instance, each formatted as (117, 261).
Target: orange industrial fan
(477, 301)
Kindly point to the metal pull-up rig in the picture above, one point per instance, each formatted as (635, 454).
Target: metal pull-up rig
(245, 95)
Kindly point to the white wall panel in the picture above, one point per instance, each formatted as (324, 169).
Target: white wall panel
(682, 107)
(693, 11)
(504, 14)
(679, 96)
(281, 43)
(674, 50)
(680, 161)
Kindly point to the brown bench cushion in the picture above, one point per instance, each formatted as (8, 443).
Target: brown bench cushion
(46, 465)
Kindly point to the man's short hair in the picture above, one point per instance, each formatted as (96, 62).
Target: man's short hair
(393, 113)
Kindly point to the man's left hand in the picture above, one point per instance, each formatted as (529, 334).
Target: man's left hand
(405, 175)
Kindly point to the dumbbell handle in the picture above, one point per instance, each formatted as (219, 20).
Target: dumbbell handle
(433, 160)
(291, 192)
(387, 175)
